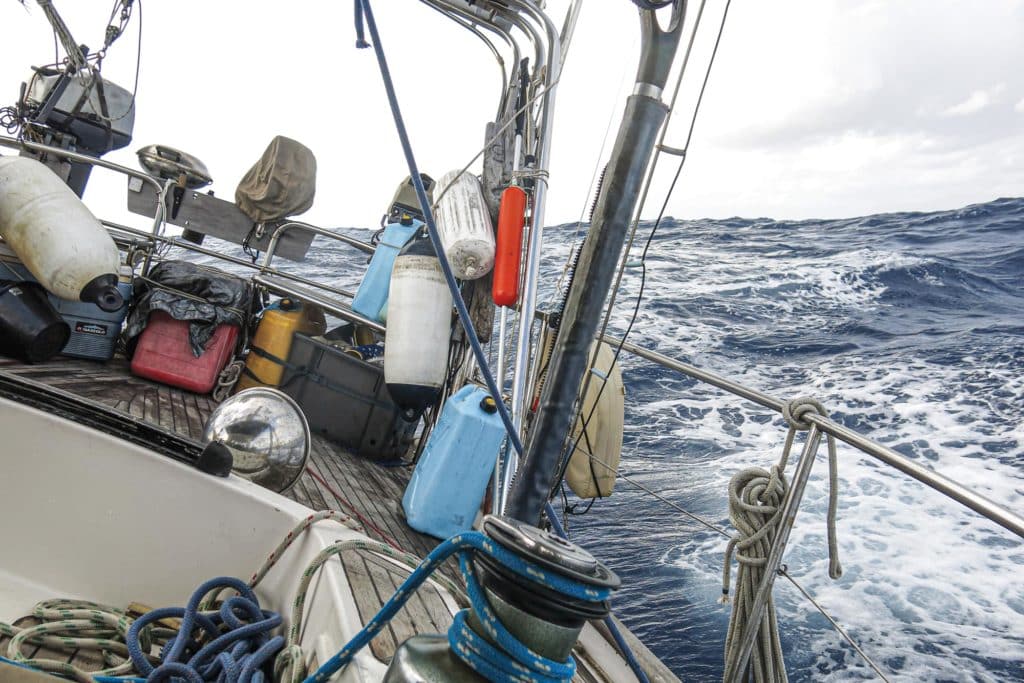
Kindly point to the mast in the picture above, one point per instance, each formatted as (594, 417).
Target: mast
(642, 120)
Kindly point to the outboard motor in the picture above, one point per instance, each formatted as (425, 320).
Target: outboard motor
(405, 205)
(544, 619)
(80, 112)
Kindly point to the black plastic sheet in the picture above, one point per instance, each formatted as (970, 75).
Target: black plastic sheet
(205, 297)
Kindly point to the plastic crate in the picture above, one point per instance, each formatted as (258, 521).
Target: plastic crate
(345, 399)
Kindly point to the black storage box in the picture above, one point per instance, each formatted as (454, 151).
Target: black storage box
(345, 399)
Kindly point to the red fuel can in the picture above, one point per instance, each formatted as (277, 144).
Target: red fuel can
(163, 354)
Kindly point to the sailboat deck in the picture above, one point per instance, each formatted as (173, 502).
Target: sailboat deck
(335, 480)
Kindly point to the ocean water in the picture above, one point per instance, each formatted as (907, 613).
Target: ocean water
(909, 327)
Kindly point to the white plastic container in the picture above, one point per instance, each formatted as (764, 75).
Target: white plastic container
(56, 236)
(464, 224)
(418, 329)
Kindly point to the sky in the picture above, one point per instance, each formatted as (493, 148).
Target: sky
(814, 108)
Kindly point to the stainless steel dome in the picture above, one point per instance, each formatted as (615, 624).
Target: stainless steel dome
(266, 433)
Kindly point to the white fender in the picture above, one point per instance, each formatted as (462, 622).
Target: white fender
(55, 235)
(418, 328)
(605, 408)
(467, 234)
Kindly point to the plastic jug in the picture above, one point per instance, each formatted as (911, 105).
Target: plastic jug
(273, 340)
(451, 477)
(372, 296)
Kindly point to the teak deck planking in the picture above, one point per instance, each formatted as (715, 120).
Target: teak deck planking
(356, 486)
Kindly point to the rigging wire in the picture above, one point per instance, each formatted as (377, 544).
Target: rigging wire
(783, 571)
(86, 70)
(646, 4)
(625, 255)
(599, 170)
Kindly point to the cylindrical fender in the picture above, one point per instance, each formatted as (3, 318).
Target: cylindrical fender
(511, 219)
(56, 236)
(418, 328)
(467, 234)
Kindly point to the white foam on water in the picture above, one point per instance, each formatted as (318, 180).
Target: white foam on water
(931, 591)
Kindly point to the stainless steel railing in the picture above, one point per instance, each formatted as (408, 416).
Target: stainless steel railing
(267, 276)
(983, 506)
(280, 284)
(819, 425)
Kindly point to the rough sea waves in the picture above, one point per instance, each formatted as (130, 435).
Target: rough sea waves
(909, 327)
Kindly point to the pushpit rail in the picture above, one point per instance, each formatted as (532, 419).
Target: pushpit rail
(278, 281)
(944, 485)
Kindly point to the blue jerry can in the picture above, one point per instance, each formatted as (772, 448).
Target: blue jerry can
(451, 477)
(372, 296)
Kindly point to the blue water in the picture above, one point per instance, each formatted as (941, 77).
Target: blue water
(909, 327)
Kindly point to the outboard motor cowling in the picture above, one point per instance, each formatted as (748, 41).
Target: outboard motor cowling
(81, 112)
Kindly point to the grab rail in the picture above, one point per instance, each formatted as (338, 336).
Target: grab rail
(947, 487)
(190, 246)
(159, 185)
(362, 246)
(156, 236)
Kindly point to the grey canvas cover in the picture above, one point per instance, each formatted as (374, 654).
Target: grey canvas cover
(281, 184)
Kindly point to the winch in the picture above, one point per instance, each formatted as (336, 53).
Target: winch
(516, 623)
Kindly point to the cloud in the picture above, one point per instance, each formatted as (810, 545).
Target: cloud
(1019, 106)
(975, 102)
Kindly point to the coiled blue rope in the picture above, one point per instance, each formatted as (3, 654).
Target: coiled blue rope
(511, 660)
(232, 656)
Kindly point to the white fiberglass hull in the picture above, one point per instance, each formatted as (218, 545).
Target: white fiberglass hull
(88, 516)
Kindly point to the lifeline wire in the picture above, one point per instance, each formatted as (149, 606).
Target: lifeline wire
(782, 572)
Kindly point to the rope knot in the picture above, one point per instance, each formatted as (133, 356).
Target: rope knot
(795, 410)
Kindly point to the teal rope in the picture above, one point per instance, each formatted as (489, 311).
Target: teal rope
(515, 660)
(499, 663)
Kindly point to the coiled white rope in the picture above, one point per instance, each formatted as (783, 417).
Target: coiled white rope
(755, 509)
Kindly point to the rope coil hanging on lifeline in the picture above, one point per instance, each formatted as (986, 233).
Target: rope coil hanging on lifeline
(756, 499)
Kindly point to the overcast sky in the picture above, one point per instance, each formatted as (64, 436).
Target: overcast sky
(815, 108)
